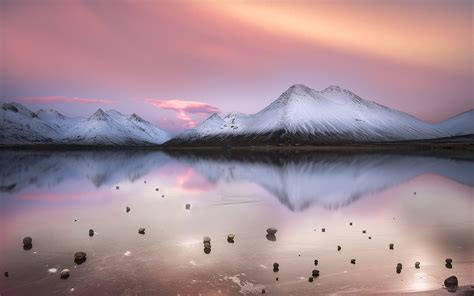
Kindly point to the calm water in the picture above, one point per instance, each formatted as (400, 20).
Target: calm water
(421, 204)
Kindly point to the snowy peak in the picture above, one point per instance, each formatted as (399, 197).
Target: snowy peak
(100, 115)
(18, 108)
(50, 114)
(135, 117)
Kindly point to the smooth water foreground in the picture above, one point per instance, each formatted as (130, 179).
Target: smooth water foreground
(421, 204)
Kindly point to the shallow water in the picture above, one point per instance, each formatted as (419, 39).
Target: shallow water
(421, 204)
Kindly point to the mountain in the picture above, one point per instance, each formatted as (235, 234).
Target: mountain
(21, 126)
(302, 115)
(461, 124)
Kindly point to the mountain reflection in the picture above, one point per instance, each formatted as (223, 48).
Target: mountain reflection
(297, 180)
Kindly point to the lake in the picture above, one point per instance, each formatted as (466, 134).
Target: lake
(421, 204)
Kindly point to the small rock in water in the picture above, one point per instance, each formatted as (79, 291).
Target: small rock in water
(271, 237)
(316, 262)
(390, 246)
(315, 273)
(157, 189)
(127, 209)
(91, 232)
(449, 262)
(310, 279)
(414, 193)
(263, 291)
(207, 245)
(339, 248)
(163, 195)
(6, 273)
(230, 238)
(144, 181)
(272, 230)
(451, 282)
(64, 274)
(370, 237)
(117, 187)
(141, 230)
(323, 230)
(417, 264)
(206, 239)
(80, 257)
(399, 267)
(276, 279)
(350, 223)
(353, 261)
(27, 243)
(187, 206)
(363, 231)
(75, 220)
(276, 267)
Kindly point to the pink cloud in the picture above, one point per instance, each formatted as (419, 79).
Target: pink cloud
(63, 99)
(185, 109)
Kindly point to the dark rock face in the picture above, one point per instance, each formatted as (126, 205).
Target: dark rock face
(64, 274)
(451, 282)
(80, 257)
(141, 230)
(117, 187)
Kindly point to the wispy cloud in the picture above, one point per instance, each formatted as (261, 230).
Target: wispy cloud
(63, 99)
(185, 109)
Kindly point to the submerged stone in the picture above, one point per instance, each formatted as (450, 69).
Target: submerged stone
(64, 274)
(451, 282)
(187, 206)
(80, 257)
(117, 187)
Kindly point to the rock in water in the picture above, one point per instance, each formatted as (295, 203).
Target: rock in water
(323, 229)
(6, 273)
(187, 206)
(390, 246)
(157, 189)
(339, 248)
(350, 223)
(417, 264)
(117, 188)
(451, 282)
(353, 261)
(448, 260)
(315, 273)
(64, 274)
(399, 267)
(206, 239)
(316, 262)
(80, 257)
(27, 240)
(272, 230)
(271, 237)
(276, 267)
(141, 230)
(363, 231)
(127, 209)
(310, 279)
(230, 238)
(91, 232)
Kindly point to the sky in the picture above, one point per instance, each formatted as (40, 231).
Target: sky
(176, 62)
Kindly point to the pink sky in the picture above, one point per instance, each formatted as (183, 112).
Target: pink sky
(175, 62)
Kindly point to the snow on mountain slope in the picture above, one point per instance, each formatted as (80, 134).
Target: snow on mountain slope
(19, 125)
(59, 121)
(461, 124)
(333, 113)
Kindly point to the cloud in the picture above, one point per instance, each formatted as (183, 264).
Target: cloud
(63, 99)
(185, 109)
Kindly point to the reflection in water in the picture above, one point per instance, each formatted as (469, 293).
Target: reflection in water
(297, 180)
(60, 197)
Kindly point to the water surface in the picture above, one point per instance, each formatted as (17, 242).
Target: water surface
(421, 204)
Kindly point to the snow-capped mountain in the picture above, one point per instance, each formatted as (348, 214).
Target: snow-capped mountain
(21, 126)
(461, 124)
(305, 115)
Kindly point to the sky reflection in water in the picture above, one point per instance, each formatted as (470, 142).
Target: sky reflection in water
(421, 204)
